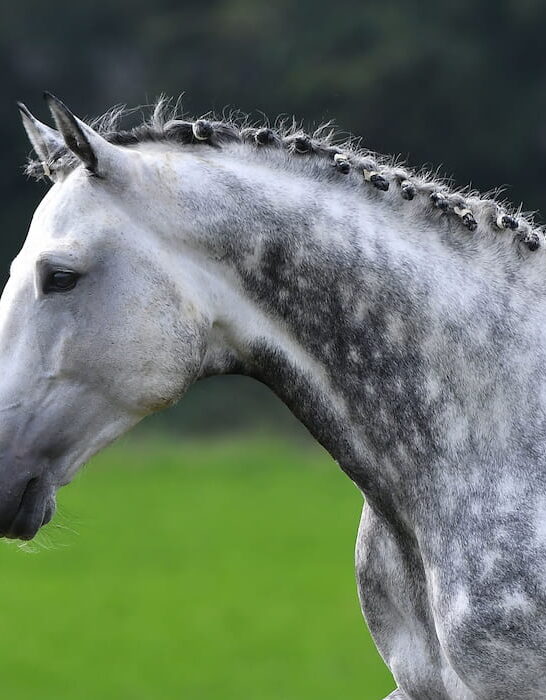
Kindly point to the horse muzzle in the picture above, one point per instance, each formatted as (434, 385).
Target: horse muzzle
(25, 508)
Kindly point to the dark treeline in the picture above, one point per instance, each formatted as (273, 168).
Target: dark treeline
(457, 85)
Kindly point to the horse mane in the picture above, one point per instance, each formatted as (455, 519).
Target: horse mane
(167, 124)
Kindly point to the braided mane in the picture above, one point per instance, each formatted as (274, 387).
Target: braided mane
(167, 124)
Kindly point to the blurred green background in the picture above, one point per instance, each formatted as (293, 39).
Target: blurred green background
(195, 570)
(210, 555)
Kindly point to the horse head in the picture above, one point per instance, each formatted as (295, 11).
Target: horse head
(94, 333)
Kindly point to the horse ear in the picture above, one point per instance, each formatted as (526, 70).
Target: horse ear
(91, 148)
(43, 138)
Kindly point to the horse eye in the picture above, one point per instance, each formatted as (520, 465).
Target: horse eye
(60, 281)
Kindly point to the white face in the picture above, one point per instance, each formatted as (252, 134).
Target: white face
(95, 333)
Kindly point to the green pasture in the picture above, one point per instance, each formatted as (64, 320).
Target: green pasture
(202, 570)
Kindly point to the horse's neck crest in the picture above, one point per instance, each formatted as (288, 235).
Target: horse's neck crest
(381, 174)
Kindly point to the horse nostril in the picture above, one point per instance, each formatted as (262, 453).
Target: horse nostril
(28, 489)
(49, 511)
(30, 482)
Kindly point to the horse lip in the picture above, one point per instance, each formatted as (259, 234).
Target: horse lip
(36, 509)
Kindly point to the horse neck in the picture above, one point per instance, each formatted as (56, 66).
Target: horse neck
(392, 346)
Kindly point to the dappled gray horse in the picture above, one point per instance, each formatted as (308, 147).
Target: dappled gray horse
(404, 323)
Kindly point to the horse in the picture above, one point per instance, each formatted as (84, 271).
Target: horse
(403, 321)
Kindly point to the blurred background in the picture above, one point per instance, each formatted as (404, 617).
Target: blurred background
(209, 555)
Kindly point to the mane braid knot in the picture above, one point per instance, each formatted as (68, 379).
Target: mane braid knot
(440, 200)
(506, 221)
(301, 143)
(467, 217)
(202, 130)
(341, 163)
(407, 190)
(265, 137)
(376, 179)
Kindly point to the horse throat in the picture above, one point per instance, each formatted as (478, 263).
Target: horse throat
(335, 329)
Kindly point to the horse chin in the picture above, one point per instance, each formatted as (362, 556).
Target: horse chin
(36, 509)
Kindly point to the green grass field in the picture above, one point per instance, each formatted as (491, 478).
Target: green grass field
(219, 570)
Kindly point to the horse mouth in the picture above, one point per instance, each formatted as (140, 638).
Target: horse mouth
(36, 509)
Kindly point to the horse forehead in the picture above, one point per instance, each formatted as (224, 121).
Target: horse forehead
(77, 207)
(70, 222)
